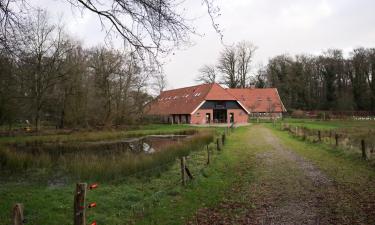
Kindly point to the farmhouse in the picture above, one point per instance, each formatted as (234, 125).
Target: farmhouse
(211, 103)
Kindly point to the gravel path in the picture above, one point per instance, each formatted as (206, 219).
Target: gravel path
(299, 186)
(286, 189)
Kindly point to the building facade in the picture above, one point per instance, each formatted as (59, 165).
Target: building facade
(211, 103)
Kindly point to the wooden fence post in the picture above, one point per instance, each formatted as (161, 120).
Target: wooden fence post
(80, 204)
(183, 177)
(17, 214)
(319, 136)
(208, 156)
(330, 136)
(337, 140)
(363, 146)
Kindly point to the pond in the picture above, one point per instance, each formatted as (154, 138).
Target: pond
(140, 145)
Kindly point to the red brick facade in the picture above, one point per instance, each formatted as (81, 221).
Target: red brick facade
(200, 116)
(240, 115)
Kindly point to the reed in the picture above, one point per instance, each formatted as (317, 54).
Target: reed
(90, 165)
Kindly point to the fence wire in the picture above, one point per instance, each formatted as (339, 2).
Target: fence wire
(350, 141)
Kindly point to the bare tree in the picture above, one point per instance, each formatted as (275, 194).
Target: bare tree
(12, 19)
(147, 26)
(43, 50)
(160, 82)
(245, 53)
(207, 74)
(227, 67)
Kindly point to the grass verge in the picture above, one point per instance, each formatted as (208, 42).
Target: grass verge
(342, 166)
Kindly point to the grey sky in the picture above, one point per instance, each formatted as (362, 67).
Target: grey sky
(275, 26)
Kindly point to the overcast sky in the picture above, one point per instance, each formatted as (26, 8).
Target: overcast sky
(274, 26)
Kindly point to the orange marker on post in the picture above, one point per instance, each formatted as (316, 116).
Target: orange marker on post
(93, 186)
(92, 205)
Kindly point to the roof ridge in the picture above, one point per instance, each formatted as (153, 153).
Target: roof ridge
(250, 88)
(226, 90)
(209, 90)
(198, 85)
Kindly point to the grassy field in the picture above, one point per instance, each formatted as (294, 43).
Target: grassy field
(329, 124)
(148, 197)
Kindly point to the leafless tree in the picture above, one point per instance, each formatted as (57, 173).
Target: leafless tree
(245, 53)
(227, 67)
(207, 74)
(43, 51)
(159, 83)
(147, 26)
(12, 19)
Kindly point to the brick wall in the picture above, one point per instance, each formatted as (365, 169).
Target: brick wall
(199, 117)
(240, 115)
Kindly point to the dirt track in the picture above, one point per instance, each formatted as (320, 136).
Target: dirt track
(286, 189)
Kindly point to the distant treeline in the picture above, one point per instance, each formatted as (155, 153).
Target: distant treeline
(324, 82)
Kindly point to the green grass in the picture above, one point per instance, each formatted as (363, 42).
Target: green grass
(155, 196)
(344, 166)
(329, 124)
(80, 136)
(353, 180)
(350, 133)
(151, 197)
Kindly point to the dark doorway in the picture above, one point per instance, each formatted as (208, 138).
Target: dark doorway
(220, 115)
(231, 117)
(208, 117)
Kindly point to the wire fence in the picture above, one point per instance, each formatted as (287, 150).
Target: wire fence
(178, 173)
(358, 141)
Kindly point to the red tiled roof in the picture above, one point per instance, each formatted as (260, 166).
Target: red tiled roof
(186, 100)
(259, 99)
(219, 93)
(179, 101)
